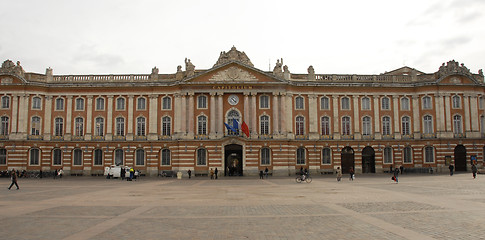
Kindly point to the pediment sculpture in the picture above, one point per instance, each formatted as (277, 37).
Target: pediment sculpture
(233, 55)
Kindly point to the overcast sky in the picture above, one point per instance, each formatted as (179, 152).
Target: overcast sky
(336, 37)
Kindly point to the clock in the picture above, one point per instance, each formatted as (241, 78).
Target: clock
(233, 99)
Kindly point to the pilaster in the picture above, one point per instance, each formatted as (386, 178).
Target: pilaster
(153, 118)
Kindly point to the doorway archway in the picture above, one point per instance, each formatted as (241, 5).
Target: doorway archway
(460, 158)
(233, 160)
(347, 161)
(368, 160)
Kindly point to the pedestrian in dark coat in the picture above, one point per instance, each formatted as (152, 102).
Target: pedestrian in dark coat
(474, 171)
(13, 176)
(396, 174)
(261, 174)
(351, 172)
(451, 167)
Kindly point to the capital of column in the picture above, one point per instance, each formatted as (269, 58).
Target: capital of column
(254, 93)
(131, 96)
(153, 96)
(89, 97)
(246, 93)
(69, 97)
(312, 96)
(110, 96)
(191, 94)
(48, 97)
(220, 93)
(213, 93)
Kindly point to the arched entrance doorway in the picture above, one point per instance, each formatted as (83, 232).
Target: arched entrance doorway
(233, 160)
(460, 158)
(347, 161)
(368, 160)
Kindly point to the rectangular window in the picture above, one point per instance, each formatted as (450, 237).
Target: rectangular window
(429, 155)
(326, 156)
(201, 157)
(36, 103)
(325, 103)
(264, 101)
(165, 157)
(3, 156)
(387, 155)
(78, 157)
(98, 157)
(100, 103)
(202, 102)
(141, 103)
(265, 156)
(345, 103)
(57, 157)
(34, 156)
(407, 155)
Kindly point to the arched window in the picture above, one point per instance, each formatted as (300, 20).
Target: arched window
(405, 103)
(456, 101)
(387, 155)
(457, 125)
(35, 126)
(366, 126)
(98, 157)
(346, 125)
(4, 125)
(365, 103)
(99, 103)
(36, 103)
(140, 126)
(34, 156)
(385, 105)
(59, 104)
(324, 103)
(264, 123)
(202, 102)
(120, 126)
(79, 104)
(299, 103)
(59, 127)
(57, 157)
(428, 124)
(140, 157)
(300, 125)
(201, 157)
(345, 102)
(3, 156)
(166, 126)
(78, 157)
(325, 125)
(265, 156)
(231, 116)
(119, 157)
(264, 101)
(120, 103)
(429, 154)
(141, 103)
(5, 102)
(300, 156)
(408, 154)
(79, 126)
(326, 157)
(99, 131)
(166, 103)
(202, 125)
(386, 125)
(165, 157)
(406, 125)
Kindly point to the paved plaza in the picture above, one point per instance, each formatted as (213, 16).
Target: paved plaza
(371, 207)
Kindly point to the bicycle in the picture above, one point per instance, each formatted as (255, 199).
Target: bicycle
(302, 178)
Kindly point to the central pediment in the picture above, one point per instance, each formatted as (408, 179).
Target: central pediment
(233, 74)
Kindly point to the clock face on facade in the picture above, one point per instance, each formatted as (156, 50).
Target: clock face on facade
(233, 99)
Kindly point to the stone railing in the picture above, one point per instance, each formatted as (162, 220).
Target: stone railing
(363, 78)
(102, 78)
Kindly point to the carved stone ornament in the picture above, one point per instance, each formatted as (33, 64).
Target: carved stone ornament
(233, 55)
(6, 80)
(9, 67)
(233, 74)
(452, 67)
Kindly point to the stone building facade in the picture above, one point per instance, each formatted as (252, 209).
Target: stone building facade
(156, 122)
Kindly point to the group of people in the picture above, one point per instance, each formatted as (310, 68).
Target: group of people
(58, 173)
(213, 173)
(265, 173)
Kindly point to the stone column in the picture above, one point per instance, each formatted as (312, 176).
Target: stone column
(109, 121)
(68, 134)
(466, 119)
(15, 115)
(23, 117)
(283, 114)
(254, 116)
(397, 122)
(440, 114)
(475, 118)
(131, 122)
(336, 120)
(47, 117)
(190, 117)
(153, 118)
(275, 117)
(416, 117)
(313, 117)
(289, 115)
(357, 133)
(212, 118)
(377, 118)
(184, 118)
(246, 110)
(177, 123)
(89, 119)
(448, 113)
(220, 115)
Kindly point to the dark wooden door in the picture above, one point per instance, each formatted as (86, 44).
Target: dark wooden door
(460, 158)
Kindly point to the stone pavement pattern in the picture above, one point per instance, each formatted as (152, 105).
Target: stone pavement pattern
(371, 207)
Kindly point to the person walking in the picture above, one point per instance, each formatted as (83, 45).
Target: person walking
(266, 172)
(396, 174)
(339, 174)
(55, 174)
(216, 172)
(60, 172)
(351, 172)
(261, 174)
(190, 173)
(451, 167)
(212, 173)
(474, 170)
(13, 177)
